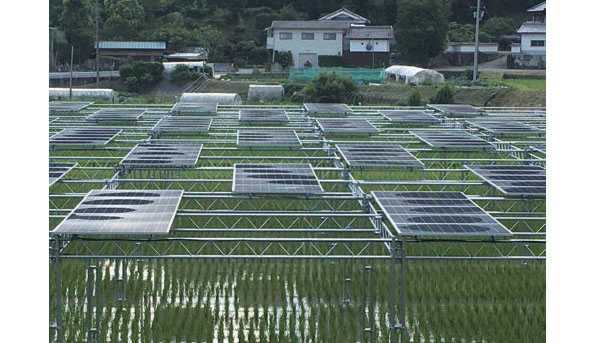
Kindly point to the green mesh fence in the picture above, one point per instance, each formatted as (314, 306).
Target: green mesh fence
(303, 75)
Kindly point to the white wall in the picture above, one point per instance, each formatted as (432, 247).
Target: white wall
(317, 46)
(470, 47)
(359, 45)
(526, 47)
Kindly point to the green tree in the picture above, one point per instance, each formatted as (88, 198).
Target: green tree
(498, 26)
(444, 95)
(330, 87)
(124, 18)
(138, 76)
(460, 32)
(78, 26)
(420, 29)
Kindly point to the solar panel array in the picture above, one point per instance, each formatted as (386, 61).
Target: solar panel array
(117, 114)
(346, 125)
(437, 214)
(84, 136)
(451, 139)
(194, 108)
(284, 178)
(268, 138)
(513, 180)
(263, 116)
(458, 110)
(68, 106)
(163, 155)
(58, 170)
(504, 126)
(377, 155)
(170, 124)
(410, 116)
(123, 212)
(327, 108)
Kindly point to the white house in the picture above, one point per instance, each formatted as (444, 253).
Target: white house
(533, 33)
(340, 33)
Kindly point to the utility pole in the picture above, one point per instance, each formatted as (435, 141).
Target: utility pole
(475, 55)
(71, 58)
(97, 40)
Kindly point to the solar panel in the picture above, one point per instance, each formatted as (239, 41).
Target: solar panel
(504, 126)
(117, 114)
(263, 116)
(84, 136)
(123, 212)
(162, 155)
(282, 178)
(193, 108)
(68, 106)
(189, 125)
(410, 116)
(377, 155)
(346, 125)
(330, 108)
(513, 180)
(539, 147)
(451, 139)
(458, 110)
(268, 138)
(58, 170)
(437, 214)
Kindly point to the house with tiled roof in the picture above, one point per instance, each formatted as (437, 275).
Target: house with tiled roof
(341, 33)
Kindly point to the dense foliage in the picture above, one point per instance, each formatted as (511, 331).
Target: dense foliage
(330, 87)
(233, 30)
(444, 95)
(139, 75)
(420, 29)
(183, 73)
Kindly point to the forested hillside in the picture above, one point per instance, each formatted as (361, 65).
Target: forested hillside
(232, 30)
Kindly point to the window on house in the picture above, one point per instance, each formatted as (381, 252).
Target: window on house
(329, 36)
(537, 43)
(307, 36)
(285, 35)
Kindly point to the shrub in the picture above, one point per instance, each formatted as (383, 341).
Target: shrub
(444, 95)
(139, 76)
(183, 73)
(414, 99)
(284, 58)
(208, 70)
(330, 61)
(330, 87)
(468, 74)
(291, 88)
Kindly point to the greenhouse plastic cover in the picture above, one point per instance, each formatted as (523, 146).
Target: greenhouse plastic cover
(414, 75)
(79, 93)
(265, 92)
(221, 98)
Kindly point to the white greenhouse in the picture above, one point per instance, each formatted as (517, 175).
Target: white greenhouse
(265, 92)
(220, 98)
(84, 93)
(413, 75)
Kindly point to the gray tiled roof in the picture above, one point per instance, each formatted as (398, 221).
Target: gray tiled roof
(369, 32)
(532, 27)
(311, 24)
(537, 8)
